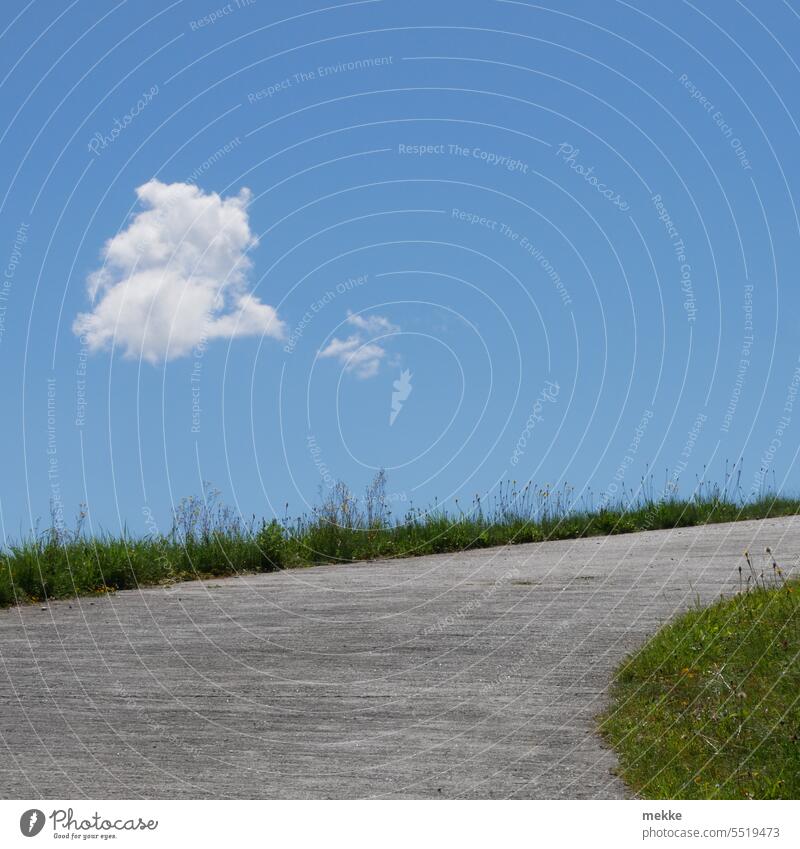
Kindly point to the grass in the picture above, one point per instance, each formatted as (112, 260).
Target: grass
(209, 539)
(709, 708)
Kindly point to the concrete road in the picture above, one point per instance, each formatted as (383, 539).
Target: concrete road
(465, 675)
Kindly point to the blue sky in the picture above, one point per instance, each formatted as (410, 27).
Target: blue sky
(563, 237)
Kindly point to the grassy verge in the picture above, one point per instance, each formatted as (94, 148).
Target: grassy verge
(208, 539)
(710, 707)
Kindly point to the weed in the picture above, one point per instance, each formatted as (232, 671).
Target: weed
(208, 538)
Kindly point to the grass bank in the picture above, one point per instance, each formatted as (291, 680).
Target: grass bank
(709, 708)
(209, 539)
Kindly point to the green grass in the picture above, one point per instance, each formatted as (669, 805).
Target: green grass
(209, 539)
(709, 708)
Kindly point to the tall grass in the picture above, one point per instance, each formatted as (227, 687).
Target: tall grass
(207, 538)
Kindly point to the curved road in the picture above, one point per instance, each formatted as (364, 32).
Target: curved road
(464, 675)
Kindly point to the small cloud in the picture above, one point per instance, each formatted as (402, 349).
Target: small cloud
(371, 323)
(401, 389)
(356, 353)
(363, 358)
(176, 277)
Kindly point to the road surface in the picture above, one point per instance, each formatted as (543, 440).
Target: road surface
(476, 674)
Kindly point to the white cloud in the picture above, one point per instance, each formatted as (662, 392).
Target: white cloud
(355, 353)
(371, 323)
(176, 277)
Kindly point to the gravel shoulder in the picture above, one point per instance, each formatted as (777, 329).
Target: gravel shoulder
(470, 675)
